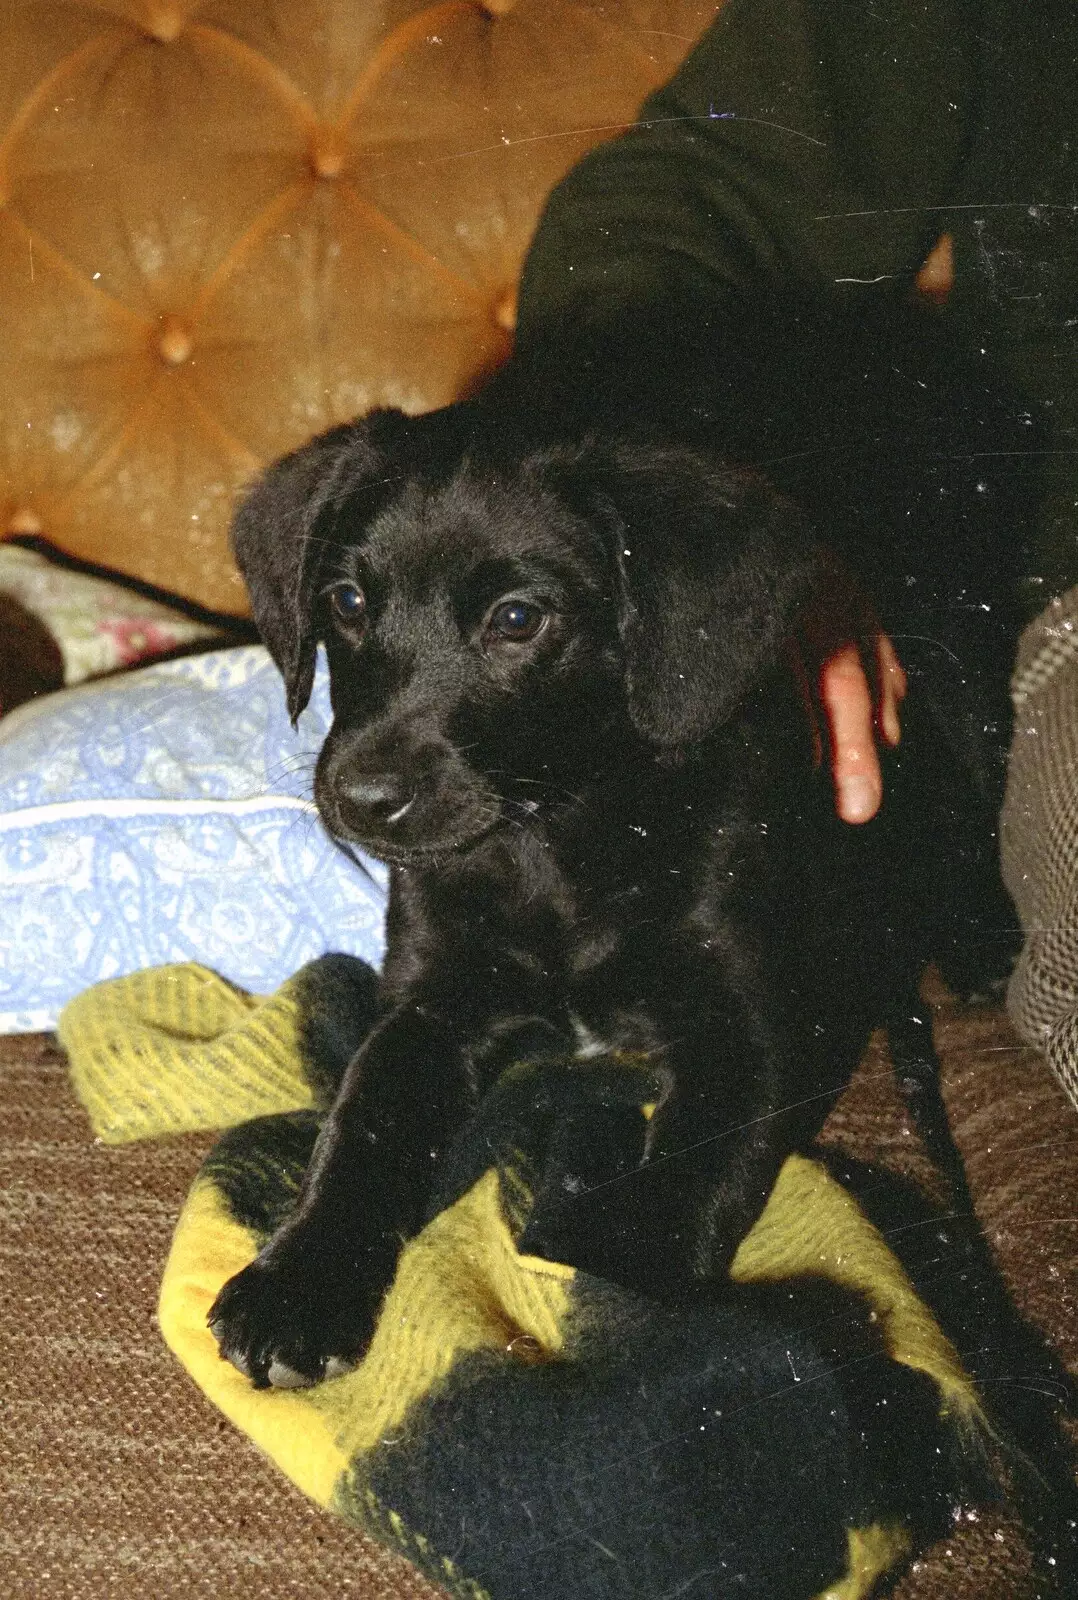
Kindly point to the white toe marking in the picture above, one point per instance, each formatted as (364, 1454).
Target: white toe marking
(282, 1376)
(587, 1043)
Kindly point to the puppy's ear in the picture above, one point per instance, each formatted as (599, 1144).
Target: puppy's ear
(281, 533)
(712, 567)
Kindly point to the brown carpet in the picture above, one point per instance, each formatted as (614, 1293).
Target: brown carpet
(117, 1478)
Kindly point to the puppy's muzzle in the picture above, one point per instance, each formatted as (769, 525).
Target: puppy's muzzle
(401, 797)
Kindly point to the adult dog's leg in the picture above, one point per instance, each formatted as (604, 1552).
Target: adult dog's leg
(305, 1308)
(917, 1068)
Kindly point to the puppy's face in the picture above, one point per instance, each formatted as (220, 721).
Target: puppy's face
(475, 664)
(506, 618)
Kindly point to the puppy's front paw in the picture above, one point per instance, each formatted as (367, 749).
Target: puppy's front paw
(287, 1323)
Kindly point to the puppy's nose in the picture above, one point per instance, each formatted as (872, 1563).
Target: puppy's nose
(381, 798)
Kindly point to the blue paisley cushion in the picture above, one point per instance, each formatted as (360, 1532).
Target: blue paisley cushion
(164, 815)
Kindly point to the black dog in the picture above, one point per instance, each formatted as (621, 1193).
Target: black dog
(564, 712)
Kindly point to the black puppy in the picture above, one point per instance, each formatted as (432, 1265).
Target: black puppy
(564, 713)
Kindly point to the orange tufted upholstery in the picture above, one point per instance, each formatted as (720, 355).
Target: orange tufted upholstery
(226, 225)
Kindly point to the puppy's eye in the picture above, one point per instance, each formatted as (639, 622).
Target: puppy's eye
(347, 605)
(515, 621)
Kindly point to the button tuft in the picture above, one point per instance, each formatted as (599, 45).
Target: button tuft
(505, 310)
(164, 22)
(174, 342)
(327, 153)
(23, 524)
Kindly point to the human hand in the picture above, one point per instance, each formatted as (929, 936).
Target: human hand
(854, 685)
(857, 710)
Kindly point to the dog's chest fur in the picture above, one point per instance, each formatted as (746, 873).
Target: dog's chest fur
(614, 925)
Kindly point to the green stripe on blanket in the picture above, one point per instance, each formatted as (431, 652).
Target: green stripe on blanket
(526, 1432)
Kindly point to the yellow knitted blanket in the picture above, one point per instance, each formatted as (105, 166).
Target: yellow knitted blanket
(517, 1428)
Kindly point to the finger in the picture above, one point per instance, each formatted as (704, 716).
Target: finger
(893, 685)
(848, 708)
